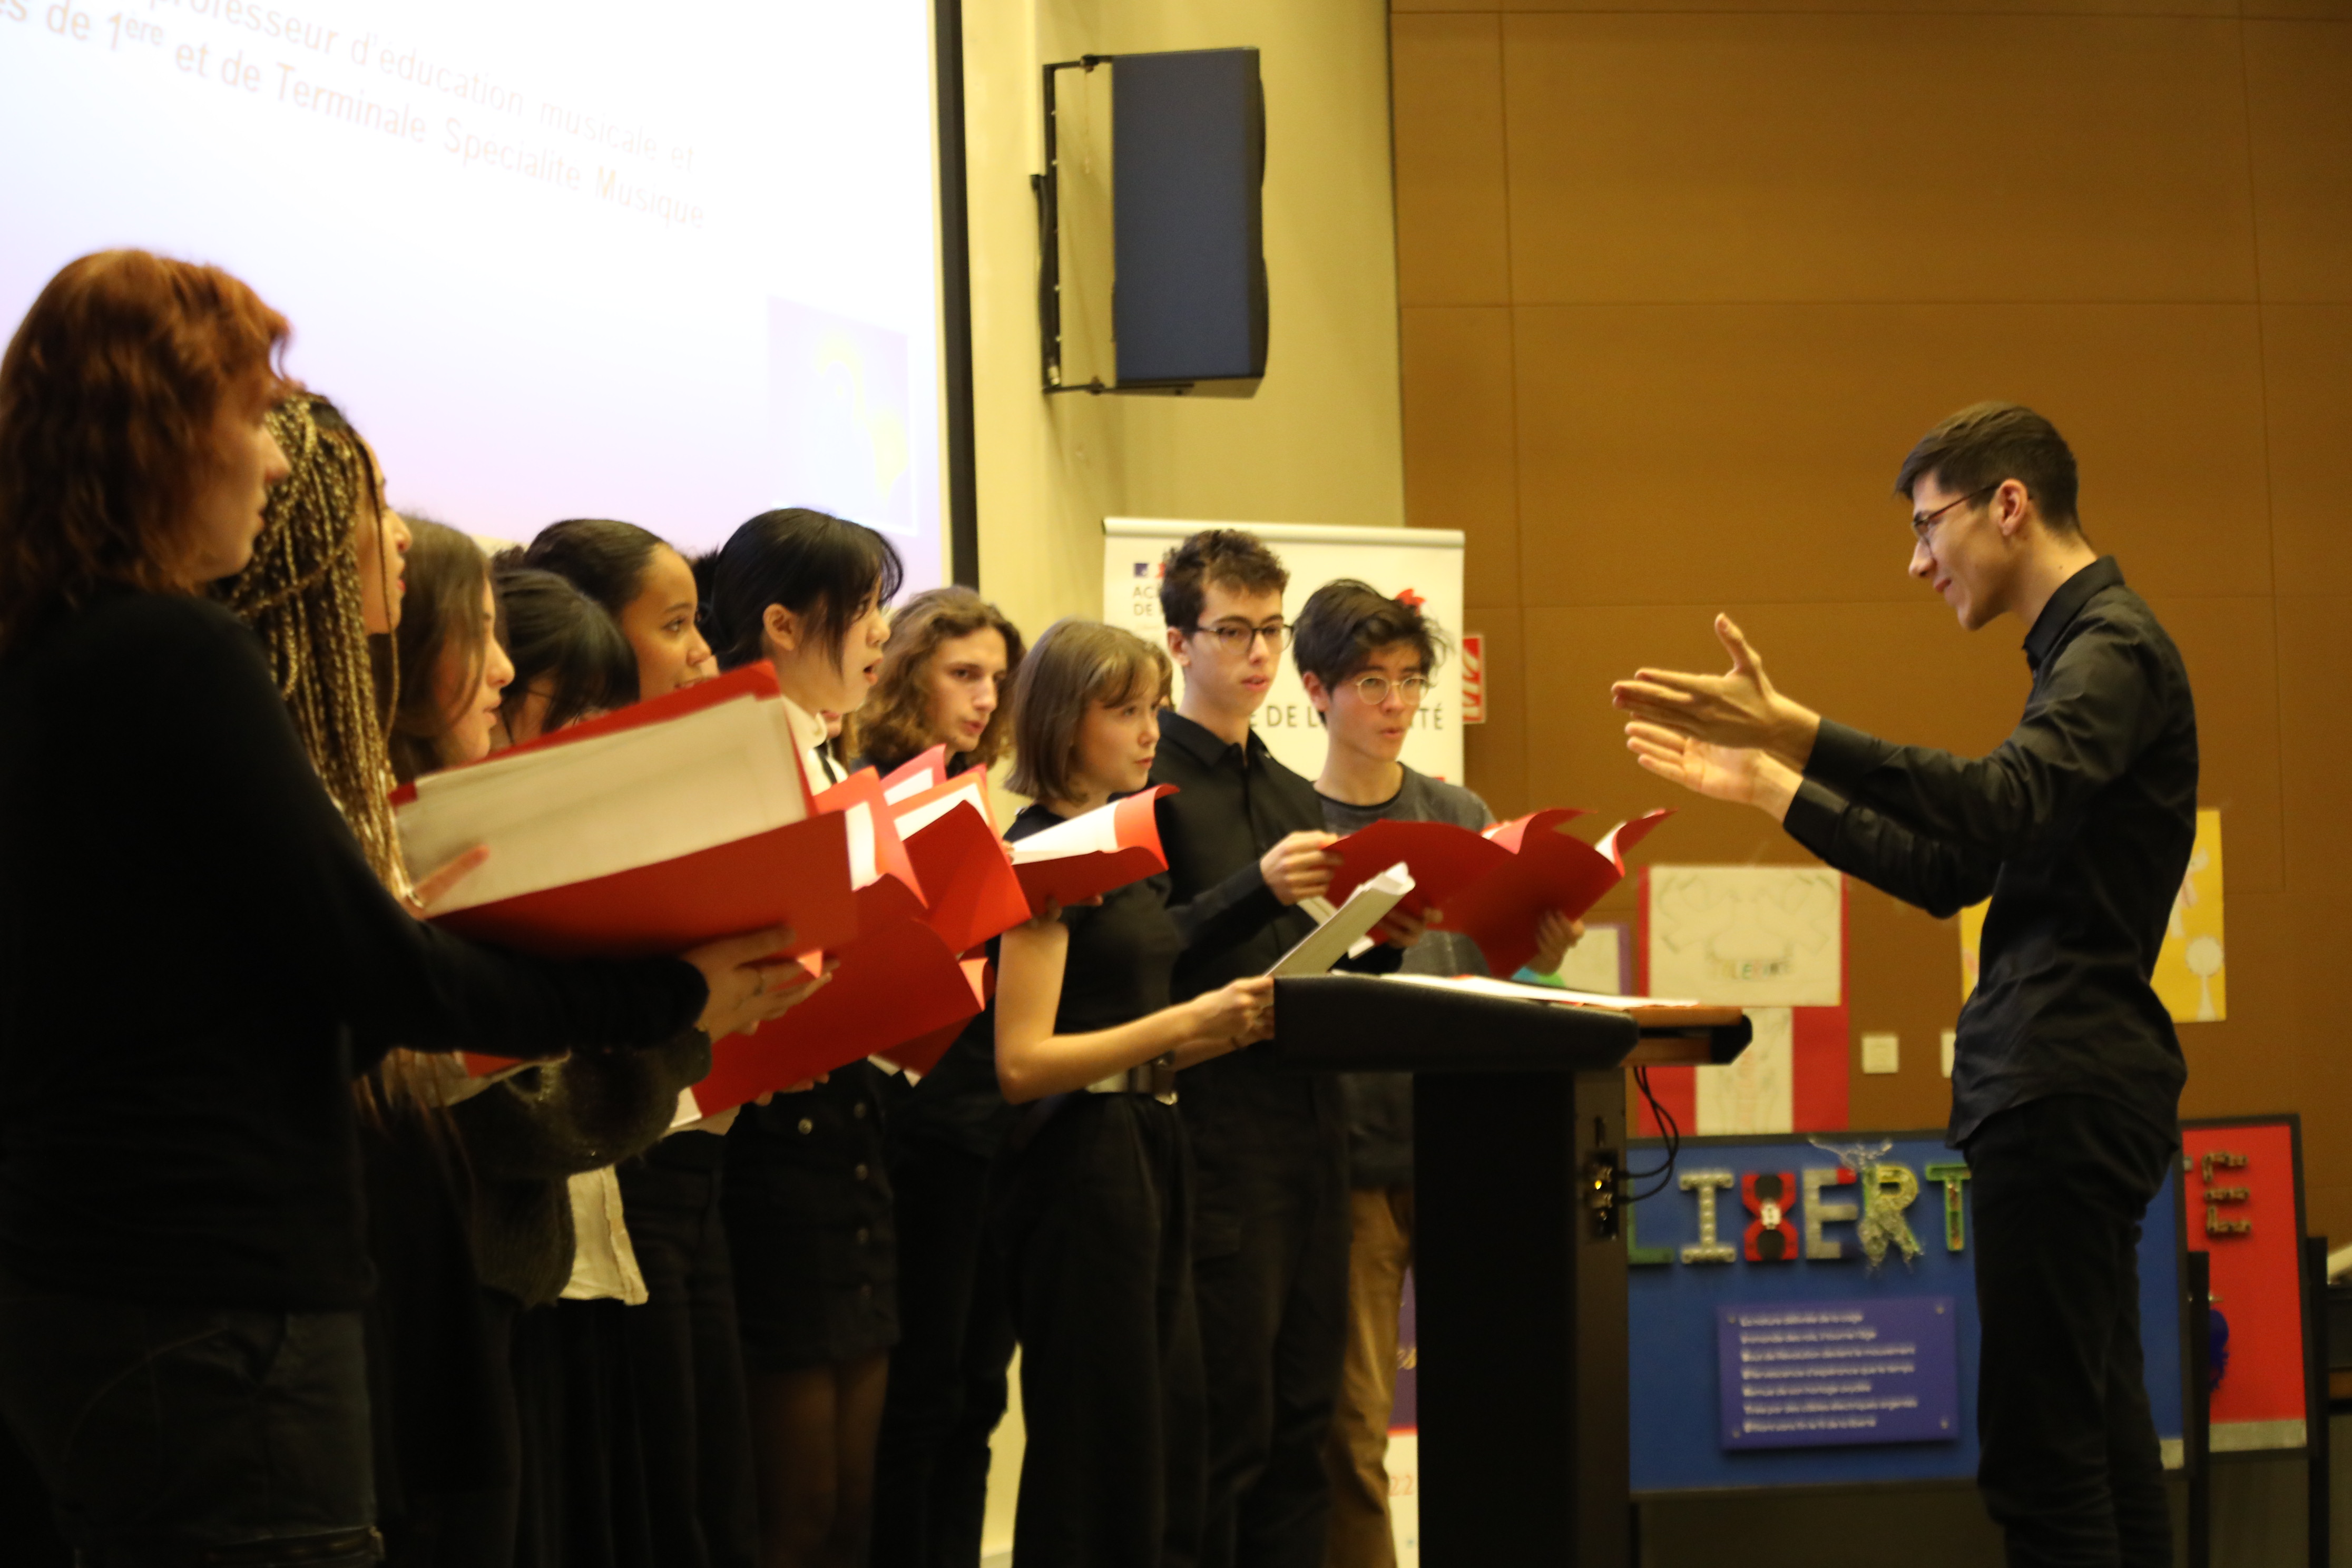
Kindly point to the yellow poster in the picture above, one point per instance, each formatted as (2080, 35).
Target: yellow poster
(2189, 975)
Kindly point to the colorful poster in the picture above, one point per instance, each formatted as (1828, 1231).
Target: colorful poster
(2190, 975)
(2245, 1211)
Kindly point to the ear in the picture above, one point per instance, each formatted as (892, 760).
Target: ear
(1315, 694)
(1180, 648)
(2012, 505)
(783, 627)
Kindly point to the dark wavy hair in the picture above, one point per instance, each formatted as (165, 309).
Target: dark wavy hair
(562, 640)
(895, 723)
(109, 392)
(821, 568)
(446, 571)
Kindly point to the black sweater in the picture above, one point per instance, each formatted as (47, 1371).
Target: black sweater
(195, 960)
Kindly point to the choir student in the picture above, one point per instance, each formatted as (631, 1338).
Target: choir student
(943, 675)
(182, 1250)
(1094, 1202)
(807, 1197)
(1366, 661)
(685, 1359)
(438, 1381)
(1245, 843)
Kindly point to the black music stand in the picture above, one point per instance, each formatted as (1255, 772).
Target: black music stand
(1519, 1268)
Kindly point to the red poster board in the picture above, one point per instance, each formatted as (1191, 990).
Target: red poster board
(2242, 1193)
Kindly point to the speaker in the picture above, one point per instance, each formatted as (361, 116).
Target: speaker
(1188, 175)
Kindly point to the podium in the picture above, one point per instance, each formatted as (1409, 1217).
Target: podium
(1519, 1264)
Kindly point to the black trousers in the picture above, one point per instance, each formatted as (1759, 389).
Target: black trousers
(1270, 1271)
(687, 1359)
(2070, 1469)
(1094, 1216)
(168, 1434)
(948, 1375)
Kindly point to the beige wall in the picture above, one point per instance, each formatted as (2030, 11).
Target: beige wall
(1681, 283)
(1320, 442)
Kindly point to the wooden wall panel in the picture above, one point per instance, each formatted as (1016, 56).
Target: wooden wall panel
(1813, 157)
(1461, 450)
(1753, 254)
(1495, 753)
(2300, 117)
(2314, 749)
(2306, 350)
(1902, 969)
(1690, 452)
(2231, 646)
(1453, 229)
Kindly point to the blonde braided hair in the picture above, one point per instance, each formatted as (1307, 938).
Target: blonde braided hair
(301, 594)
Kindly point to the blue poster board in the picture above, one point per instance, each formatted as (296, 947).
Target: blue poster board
(1681, 1441)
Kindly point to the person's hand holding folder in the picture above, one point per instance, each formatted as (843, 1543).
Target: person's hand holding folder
(748, 984)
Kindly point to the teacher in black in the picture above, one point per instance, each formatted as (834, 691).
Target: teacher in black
(2066, 1074)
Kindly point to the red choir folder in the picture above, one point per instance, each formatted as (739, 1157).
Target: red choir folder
(916, 774)
(1090, 855)
(921, 1056)
(899, 985)
(876, 851)
(1444, 860)
(966, 871)
(622, 782)
(1546, 869)
(797, 876)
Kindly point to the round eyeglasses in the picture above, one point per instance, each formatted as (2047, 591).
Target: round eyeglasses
(1373, 689)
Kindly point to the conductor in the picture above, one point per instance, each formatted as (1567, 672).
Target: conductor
(2066, 1074)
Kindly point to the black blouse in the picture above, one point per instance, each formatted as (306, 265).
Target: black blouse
(1121, 955)
(195, 959)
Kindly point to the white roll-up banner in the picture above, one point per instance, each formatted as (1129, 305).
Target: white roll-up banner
(1423, 562)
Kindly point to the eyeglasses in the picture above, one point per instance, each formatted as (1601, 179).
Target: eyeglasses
(1237, 639)
(1924, 523)
(1374, 688)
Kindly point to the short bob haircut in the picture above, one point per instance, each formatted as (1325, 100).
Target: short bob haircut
(563, 642)
(604, 559)
(446, 572)
(1346, 622)
(1240, 561)
(895, 723)
(110, 396)
(1074, 665)
(818, 566)
(1987, 443)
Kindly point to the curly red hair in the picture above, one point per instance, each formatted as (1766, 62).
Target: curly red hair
(109, 394)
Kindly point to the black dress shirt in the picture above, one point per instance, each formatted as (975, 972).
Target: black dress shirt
(2079, 826)
(1234, 803)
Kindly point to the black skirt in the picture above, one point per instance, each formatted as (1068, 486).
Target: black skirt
(808, 1212)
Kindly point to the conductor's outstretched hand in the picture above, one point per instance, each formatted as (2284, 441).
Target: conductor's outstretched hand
(1736, 708)
(1739, 775)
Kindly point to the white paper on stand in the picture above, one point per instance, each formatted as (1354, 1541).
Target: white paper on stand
(1511, 989)
(1349, 926)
